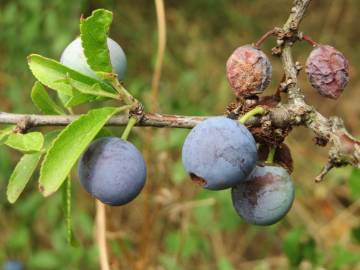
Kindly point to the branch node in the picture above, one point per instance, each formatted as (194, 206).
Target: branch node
(23, 125)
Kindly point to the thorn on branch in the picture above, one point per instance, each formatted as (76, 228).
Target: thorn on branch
(325, 170)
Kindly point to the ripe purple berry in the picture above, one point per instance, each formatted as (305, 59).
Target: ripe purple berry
(265, 197)
(112, 170)
(328, 71)
(219, 153)
(248, 71)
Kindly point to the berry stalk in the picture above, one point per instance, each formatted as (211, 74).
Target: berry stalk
(129, 126)
(253, 112)
(270, 157)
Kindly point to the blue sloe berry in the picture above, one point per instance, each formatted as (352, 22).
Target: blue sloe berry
(265, 197)
(13, 265)
(74, 58)
(112, 170)
(219, 153)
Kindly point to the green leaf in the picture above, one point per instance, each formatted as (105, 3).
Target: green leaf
(43, 101)
(21, 175)
(93, 33)
(25, 169)
(26, 143)
(354, 183)
(4, 133)
(68, 81)
(68, 147)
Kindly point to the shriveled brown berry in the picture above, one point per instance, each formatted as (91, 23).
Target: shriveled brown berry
(328, 71)
(248, 71)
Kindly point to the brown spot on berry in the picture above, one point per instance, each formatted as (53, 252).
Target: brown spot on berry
(198, 180)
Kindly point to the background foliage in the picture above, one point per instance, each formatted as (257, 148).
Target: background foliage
(174, 224)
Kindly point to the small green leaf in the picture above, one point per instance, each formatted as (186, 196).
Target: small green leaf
(93, 33)
(26, 143)
(354, 183)
(68, 147)
(68, 81)
(43, 101)
(21, 175)
(25, 169)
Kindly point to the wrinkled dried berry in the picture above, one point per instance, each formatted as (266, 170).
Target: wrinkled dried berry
(328, 71)
(248, 71)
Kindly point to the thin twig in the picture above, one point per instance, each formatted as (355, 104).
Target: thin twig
(161, 22)
(149, 213)
(264, 37)
(101, 235)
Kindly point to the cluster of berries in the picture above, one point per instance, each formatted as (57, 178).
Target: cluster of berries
(219, 153)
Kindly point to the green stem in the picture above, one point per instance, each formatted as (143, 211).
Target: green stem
(270, 157)
(123, 93)
(67, 209)
(249, 114)
(129, 126)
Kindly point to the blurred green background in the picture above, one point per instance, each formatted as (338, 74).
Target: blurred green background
(174, 224)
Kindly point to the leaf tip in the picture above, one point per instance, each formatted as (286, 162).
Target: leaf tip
(10, 198)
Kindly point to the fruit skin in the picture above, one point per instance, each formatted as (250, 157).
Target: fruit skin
(219, 153)
(248, 71)
(265, 197)
(112, 170)
(328, 71)
(74, 58)
(13, 265)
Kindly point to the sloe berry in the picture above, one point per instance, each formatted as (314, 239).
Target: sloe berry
(265, 197)
(112, 170)
(218, 153)
(328, 71)
(248, 71)
(13, 265)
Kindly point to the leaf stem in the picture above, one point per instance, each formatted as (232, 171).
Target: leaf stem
(123, 93)
(253, 112)
(129, 126)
